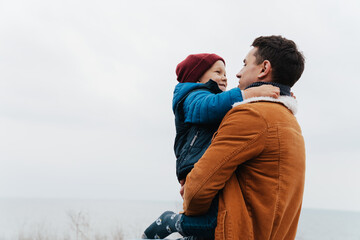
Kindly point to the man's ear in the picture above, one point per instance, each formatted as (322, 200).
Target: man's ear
(265, 70)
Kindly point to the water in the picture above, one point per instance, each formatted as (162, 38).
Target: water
(51, 218)
(328, 225)
(104, 219)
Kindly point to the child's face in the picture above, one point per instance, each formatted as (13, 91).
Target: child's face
(217, 73)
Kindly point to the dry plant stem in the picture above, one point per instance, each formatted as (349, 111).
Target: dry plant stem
(79, 223)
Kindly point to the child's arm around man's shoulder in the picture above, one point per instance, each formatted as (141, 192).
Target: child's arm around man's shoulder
(205, 107)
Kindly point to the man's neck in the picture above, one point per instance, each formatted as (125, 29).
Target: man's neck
(284, 90)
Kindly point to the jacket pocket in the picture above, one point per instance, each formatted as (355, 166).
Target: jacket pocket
(220, 228)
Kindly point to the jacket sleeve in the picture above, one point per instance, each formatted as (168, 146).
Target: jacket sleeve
(204, 107)
(241, 137)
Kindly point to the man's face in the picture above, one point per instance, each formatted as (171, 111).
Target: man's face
(249, 73)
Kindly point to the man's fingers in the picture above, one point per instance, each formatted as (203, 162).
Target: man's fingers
(182, 182)
(182, 191)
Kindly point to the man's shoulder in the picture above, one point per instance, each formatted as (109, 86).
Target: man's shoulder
(263, 112)
(268, 104)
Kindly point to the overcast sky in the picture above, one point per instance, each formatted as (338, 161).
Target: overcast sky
(86, 90)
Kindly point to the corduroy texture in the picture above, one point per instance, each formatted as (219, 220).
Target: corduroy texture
(195, 65)
(256, 162)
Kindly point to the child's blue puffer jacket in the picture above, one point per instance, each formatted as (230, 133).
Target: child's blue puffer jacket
(199, 109)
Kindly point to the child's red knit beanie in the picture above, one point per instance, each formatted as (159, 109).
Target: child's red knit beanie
(195, 65)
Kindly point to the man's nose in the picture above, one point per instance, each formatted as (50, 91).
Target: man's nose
(238, 75)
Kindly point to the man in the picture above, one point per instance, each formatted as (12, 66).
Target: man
(256, 161)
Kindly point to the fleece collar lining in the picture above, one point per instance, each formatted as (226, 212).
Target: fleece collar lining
(287, 101)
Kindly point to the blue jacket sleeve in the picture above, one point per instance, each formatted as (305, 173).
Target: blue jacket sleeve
(204, 107)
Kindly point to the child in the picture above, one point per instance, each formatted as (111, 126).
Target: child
(199, 104)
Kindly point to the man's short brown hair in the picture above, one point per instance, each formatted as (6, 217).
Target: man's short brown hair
(286, 61)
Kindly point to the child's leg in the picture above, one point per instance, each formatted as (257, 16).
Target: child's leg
(201, 226)
(167, 223)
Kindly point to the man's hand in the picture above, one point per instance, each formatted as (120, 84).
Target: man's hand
(262, 91)
(182, 183)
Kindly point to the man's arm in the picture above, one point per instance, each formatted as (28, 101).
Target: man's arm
(241, 137)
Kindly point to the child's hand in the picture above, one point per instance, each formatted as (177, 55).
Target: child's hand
(262, 91)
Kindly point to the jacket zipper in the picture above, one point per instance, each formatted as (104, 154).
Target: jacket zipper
(193, 140)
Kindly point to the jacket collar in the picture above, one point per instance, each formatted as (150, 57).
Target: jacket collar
(287, 101)
(284, 90)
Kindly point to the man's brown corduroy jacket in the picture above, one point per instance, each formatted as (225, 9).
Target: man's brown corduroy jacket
(257, 163)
